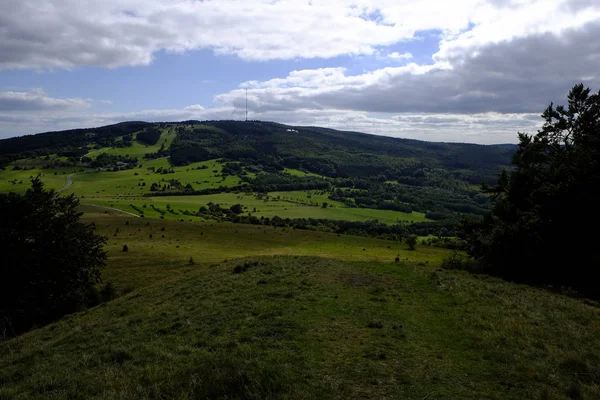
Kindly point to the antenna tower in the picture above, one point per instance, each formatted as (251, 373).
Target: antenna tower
(246, 105)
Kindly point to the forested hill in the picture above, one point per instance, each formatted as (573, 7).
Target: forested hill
(327, 152)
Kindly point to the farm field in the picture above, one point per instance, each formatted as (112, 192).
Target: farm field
(271, 208)
(123, 188)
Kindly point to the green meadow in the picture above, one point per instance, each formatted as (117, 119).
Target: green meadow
(225, 311)
(138, 149)
(252, 204)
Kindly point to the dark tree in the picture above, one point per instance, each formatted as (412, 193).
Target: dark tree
(538, 229)
(411, 241)
(149, 136)
(50, 260)
(237, 209)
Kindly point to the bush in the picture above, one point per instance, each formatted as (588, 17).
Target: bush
(51, 260)
(454, 261)
(411, 241)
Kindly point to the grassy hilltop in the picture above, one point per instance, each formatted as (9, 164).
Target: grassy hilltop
(308, 315)
(315, 295)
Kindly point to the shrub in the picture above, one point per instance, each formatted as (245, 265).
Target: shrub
(411, 241)
(454, 261)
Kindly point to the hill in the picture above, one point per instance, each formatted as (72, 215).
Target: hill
(342, 325)
(356, 170)
(269, 262)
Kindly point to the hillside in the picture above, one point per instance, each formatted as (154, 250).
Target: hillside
(343, 325)
(355, 169)
(320, 150)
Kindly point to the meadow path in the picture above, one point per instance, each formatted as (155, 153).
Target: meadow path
(69, 182)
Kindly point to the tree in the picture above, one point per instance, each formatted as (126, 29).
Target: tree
(51, 260)
(411, 241)
(543, 207)
(237, 208)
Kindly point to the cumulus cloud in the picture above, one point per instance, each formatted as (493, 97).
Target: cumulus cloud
(37, 100)
(115, 33)
(397, 56)
(498, 62)
(518, 76)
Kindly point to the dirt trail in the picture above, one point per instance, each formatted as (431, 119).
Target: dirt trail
(69, 182)
(116, 209)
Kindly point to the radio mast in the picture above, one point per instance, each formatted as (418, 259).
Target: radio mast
(246, 105)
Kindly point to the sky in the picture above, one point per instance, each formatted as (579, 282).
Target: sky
(475, 71)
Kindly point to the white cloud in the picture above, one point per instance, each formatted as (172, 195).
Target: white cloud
(499, 62)
(519, 76)
(397, 56)
(37, 100)
(114, 33)
(476, 128)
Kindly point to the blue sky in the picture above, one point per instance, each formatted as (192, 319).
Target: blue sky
(427, 70)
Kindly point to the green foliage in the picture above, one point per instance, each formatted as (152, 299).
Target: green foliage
(411, 241)
(50, 260)
(105, 160)
(531, 235)
(149, 136)
(455, 260)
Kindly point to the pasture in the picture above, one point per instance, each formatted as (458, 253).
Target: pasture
(308, 315)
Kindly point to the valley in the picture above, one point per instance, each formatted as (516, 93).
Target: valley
(245, 261)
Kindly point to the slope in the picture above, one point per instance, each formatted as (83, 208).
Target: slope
(303, 327)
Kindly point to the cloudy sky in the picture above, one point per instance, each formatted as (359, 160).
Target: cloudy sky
(463, 70)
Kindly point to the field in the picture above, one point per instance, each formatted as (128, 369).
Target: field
(19, 181)
(124, 188)
(208, 243)
(308, 315)
(138, 149)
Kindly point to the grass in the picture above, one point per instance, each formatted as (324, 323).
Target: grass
(138, 150)
(300, 327)
(208, 243)
(127, 183)
(290, 205)
(22, 179)
(123, 188)
(297, 172)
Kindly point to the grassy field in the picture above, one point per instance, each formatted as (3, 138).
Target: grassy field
(297, 172)
(19, 181)
(123, 188)
(137, 149)
(127, 183)
(258, 207)
(209, 243)
(309, 315)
